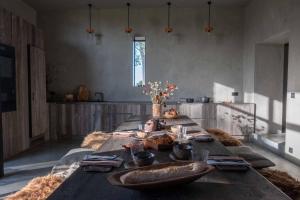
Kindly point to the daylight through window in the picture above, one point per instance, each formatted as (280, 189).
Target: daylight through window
(139, 50)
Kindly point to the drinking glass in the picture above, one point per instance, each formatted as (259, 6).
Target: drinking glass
(181, 133)
(136, 147)
(200, 155)
(141, 127)
(184, 133)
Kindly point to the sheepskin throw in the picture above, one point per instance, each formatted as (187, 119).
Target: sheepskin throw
(284, 181)
(225, 138)
(39, 188)
(95, 140)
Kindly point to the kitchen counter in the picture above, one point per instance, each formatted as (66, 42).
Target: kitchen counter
(69, 119)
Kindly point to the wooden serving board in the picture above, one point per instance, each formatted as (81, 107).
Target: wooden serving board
(114, 179)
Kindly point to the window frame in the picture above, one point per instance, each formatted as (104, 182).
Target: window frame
(138, 39)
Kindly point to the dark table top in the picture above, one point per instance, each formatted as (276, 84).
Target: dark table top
(218, 185)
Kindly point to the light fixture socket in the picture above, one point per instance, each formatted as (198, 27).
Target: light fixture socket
(169, 29)
(128, 29)
(90, 30)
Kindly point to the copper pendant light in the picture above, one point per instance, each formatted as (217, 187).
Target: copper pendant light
(90, 30)
(209, 27)
(169, 29)
(128, 29)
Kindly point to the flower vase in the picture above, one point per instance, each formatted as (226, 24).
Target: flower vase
(156, 111)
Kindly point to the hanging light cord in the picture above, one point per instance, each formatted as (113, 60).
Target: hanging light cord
(169, 11)
(128, 15)
(209, 7)
(90, 16)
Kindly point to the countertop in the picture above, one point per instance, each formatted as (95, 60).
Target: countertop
(143, 102)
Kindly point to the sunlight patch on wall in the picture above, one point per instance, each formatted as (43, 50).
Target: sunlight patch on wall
(277, 113)
(292, 143)
(263, 103)
(293, 109)
(263, 112)
(248, 97)
(223, 93)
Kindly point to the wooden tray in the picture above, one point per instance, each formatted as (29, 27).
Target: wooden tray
(114, 178)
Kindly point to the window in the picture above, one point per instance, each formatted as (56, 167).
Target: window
(139, 47)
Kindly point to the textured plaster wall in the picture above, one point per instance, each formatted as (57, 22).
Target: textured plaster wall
(266, 21)
(200, 64)
(18, 7)
(266, 30)
(273, 22)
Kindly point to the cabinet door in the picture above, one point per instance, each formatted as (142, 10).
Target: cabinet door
(39, 108)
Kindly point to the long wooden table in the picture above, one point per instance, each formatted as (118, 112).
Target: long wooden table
(218, 185)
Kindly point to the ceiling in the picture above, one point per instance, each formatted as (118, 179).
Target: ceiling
(76, 4)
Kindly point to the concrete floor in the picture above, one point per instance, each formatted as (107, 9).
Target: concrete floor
(40, 161)
(29, 165)
(281, 163)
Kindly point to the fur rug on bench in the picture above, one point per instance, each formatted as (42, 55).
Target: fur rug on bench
(41, 188)
(284, 181)
(225, 138)
(95, 140)
(38, 188)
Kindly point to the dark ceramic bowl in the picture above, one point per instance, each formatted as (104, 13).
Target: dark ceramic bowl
(182, 151)
(190, 100)
(144, 158)
(204, 99)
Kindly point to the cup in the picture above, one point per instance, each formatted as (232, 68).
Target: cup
(141, 127)
(136, 147)
(200, 155)
(181, 133)
(182, 151)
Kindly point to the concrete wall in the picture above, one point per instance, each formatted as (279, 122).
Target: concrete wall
(200, 64)
(18, 7)
(265, 22)
(273, 22)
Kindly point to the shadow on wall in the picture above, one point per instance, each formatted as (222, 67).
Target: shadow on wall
(268, 87)
(60, 69)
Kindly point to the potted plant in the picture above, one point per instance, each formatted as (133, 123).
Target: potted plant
(159, 93)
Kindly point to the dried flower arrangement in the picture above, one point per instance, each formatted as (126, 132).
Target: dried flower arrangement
(159, 92)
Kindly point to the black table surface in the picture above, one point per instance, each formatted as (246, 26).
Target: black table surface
(218, 185)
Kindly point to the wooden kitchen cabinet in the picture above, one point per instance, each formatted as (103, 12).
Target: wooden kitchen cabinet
(203, 114)
(236, 119)
(38, 104)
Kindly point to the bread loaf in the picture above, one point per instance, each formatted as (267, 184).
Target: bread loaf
(144, 176)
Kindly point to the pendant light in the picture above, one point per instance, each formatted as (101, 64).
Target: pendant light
(128, 29)
(169, 29)
(90, 30)
(209, 27)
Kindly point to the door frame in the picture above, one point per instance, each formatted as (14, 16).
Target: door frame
(285, 85)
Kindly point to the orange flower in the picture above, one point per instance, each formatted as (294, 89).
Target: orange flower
(165, 94)
(171, 86)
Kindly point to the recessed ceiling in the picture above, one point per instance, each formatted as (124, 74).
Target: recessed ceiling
(76, 4)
